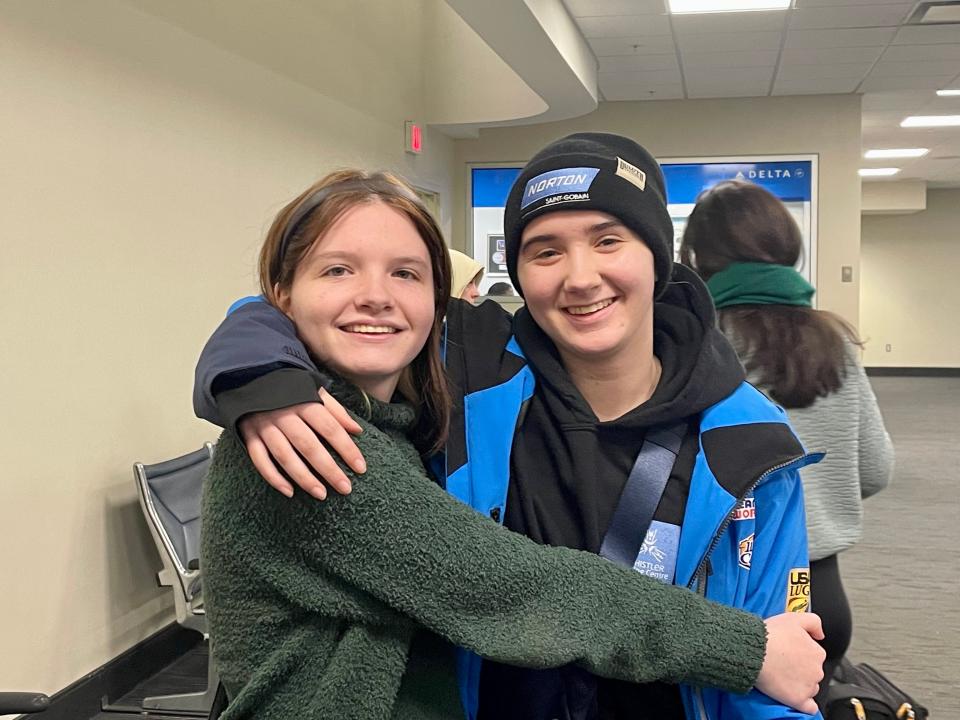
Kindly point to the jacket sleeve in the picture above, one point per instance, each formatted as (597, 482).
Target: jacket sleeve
(874, 447)
(400, 538)
(254, 340)
(779, 580)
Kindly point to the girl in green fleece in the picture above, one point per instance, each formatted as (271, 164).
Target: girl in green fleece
(351, 608)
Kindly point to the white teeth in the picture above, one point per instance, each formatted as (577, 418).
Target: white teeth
(381, 329)
(587, 309)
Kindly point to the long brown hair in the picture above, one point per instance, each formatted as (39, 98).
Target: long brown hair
(304, 221)
(796, 353)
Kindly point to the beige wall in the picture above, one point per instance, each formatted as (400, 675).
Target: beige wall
(910, 299)
(140, 167)
(826, 125)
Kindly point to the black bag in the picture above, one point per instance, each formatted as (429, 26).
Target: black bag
(861, 692)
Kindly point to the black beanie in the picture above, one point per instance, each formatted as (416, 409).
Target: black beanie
(594, 171)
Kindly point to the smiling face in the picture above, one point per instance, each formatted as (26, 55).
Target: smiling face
(362, 298)
(588, 283)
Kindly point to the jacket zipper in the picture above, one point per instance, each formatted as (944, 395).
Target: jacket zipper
(726, 523)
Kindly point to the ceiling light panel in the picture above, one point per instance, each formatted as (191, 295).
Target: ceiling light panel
(895, 153)
(878, 172)
(948, 93)
(708, 6)
(931, 121)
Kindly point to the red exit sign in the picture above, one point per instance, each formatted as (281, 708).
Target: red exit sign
(414, 133)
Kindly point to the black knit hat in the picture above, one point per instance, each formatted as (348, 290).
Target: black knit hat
(594, 171)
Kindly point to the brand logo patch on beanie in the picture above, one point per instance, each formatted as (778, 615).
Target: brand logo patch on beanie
(631, 173)
(566, 181)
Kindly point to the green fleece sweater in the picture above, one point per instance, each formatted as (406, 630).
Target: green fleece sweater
(349, 608)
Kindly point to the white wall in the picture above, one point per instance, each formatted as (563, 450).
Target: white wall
(141, 165)
(910, 295)
(826, 125)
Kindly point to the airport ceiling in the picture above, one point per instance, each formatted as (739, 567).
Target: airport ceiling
(880, 49)
(872, 47)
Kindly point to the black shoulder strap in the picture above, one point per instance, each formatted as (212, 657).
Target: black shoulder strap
(641, 495)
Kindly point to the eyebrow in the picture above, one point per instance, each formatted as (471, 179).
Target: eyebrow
(411, 260)
(343, 255)
(551, 237)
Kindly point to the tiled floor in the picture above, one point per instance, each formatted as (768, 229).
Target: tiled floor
(903, 578)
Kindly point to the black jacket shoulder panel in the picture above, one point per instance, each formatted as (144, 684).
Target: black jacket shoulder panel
(739, 455)
(477, 337)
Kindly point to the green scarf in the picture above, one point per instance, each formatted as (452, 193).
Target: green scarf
(754, 283)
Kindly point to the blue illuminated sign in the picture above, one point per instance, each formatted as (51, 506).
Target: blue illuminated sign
(788, 180)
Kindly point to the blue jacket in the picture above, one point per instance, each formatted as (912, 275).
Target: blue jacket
(745, 506)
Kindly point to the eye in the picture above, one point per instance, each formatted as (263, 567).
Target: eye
(406, 274)
(546, 254)
(609, 241)
(335, 271)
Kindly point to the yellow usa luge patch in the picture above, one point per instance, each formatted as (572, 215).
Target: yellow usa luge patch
(798, 590)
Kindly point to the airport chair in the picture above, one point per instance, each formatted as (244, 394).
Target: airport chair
(23, 703)
(170, 494)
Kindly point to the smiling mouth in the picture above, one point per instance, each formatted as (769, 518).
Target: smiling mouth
(589, 309)
(370, 329)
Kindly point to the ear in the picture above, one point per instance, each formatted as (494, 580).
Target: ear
(283, 299)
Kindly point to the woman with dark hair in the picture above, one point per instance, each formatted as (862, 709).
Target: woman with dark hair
(744, 243)
(351, 608)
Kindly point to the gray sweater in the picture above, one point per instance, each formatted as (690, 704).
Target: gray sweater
(848, 427)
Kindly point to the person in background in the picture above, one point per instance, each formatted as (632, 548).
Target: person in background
(503, 289)
(745, 244)
(608, 415)
(467, 274)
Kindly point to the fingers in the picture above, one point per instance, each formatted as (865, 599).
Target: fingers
(809, 706)
(301, 433)
(328, 425)
(339, 413)
(812, 624)
(289, 460)
(264, 464)
(286, 441)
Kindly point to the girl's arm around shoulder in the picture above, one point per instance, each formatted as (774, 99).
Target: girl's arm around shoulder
(251, 342)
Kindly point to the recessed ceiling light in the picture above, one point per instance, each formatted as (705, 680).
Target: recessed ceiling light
(878, 172)
(930, 121)
(710, 6)
(896, 153)
(948, 93)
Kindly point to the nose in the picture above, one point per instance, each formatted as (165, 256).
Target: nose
(373, 293)
(583, 274)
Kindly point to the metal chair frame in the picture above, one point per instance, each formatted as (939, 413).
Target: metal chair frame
(185, 580)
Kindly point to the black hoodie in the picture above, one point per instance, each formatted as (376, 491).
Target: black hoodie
(567, 472)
